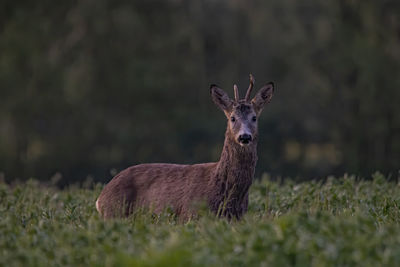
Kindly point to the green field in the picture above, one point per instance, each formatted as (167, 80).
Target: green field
(336, 222)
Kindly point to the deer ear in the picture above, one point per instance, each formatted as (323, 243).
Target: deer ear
(263, 97)
(220, 98)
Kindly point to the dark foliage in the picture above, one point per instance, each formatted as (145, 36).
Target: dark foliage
(88, 86)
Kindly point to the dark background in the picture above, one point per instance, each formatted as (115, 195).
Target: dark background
(90, 87)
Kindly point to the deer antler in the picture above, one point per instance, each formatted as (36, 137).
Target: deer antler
(235, 89)
(247, 98)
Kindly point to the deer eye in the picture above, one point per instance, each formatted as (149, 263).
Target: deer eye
(254, 118)
(233, 119)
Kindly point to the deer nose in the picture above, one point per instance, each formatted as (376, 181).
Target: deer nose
(244, 138)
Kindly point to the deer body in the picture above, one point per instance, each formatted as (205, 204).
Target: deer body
(223, 185)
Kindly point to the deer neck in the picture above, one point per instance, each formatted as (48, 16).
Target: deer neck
(237, 163)
(232, 178)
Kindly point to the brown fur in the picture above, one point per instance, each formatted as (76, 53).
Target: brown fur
(223, 185)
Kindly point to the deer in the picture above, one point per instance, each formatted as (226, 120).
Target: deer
(222, 186)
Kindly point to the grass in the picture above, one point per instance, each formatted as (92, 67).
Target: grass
(339, 221)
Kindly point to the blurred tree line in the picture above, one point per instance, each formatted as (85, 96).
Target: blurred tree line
(88, 87)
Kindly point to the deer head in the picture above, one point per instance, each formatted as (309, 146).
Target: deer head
(242, 114)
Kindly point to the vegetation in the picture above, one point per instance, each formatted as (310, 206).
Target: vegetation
(339, 221)
(88, 86)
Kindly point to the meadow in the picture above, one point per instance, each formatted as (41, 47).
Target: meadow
(346, 221)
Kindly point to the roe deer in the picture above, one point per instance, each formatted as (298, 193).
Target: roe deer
(222, 185)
